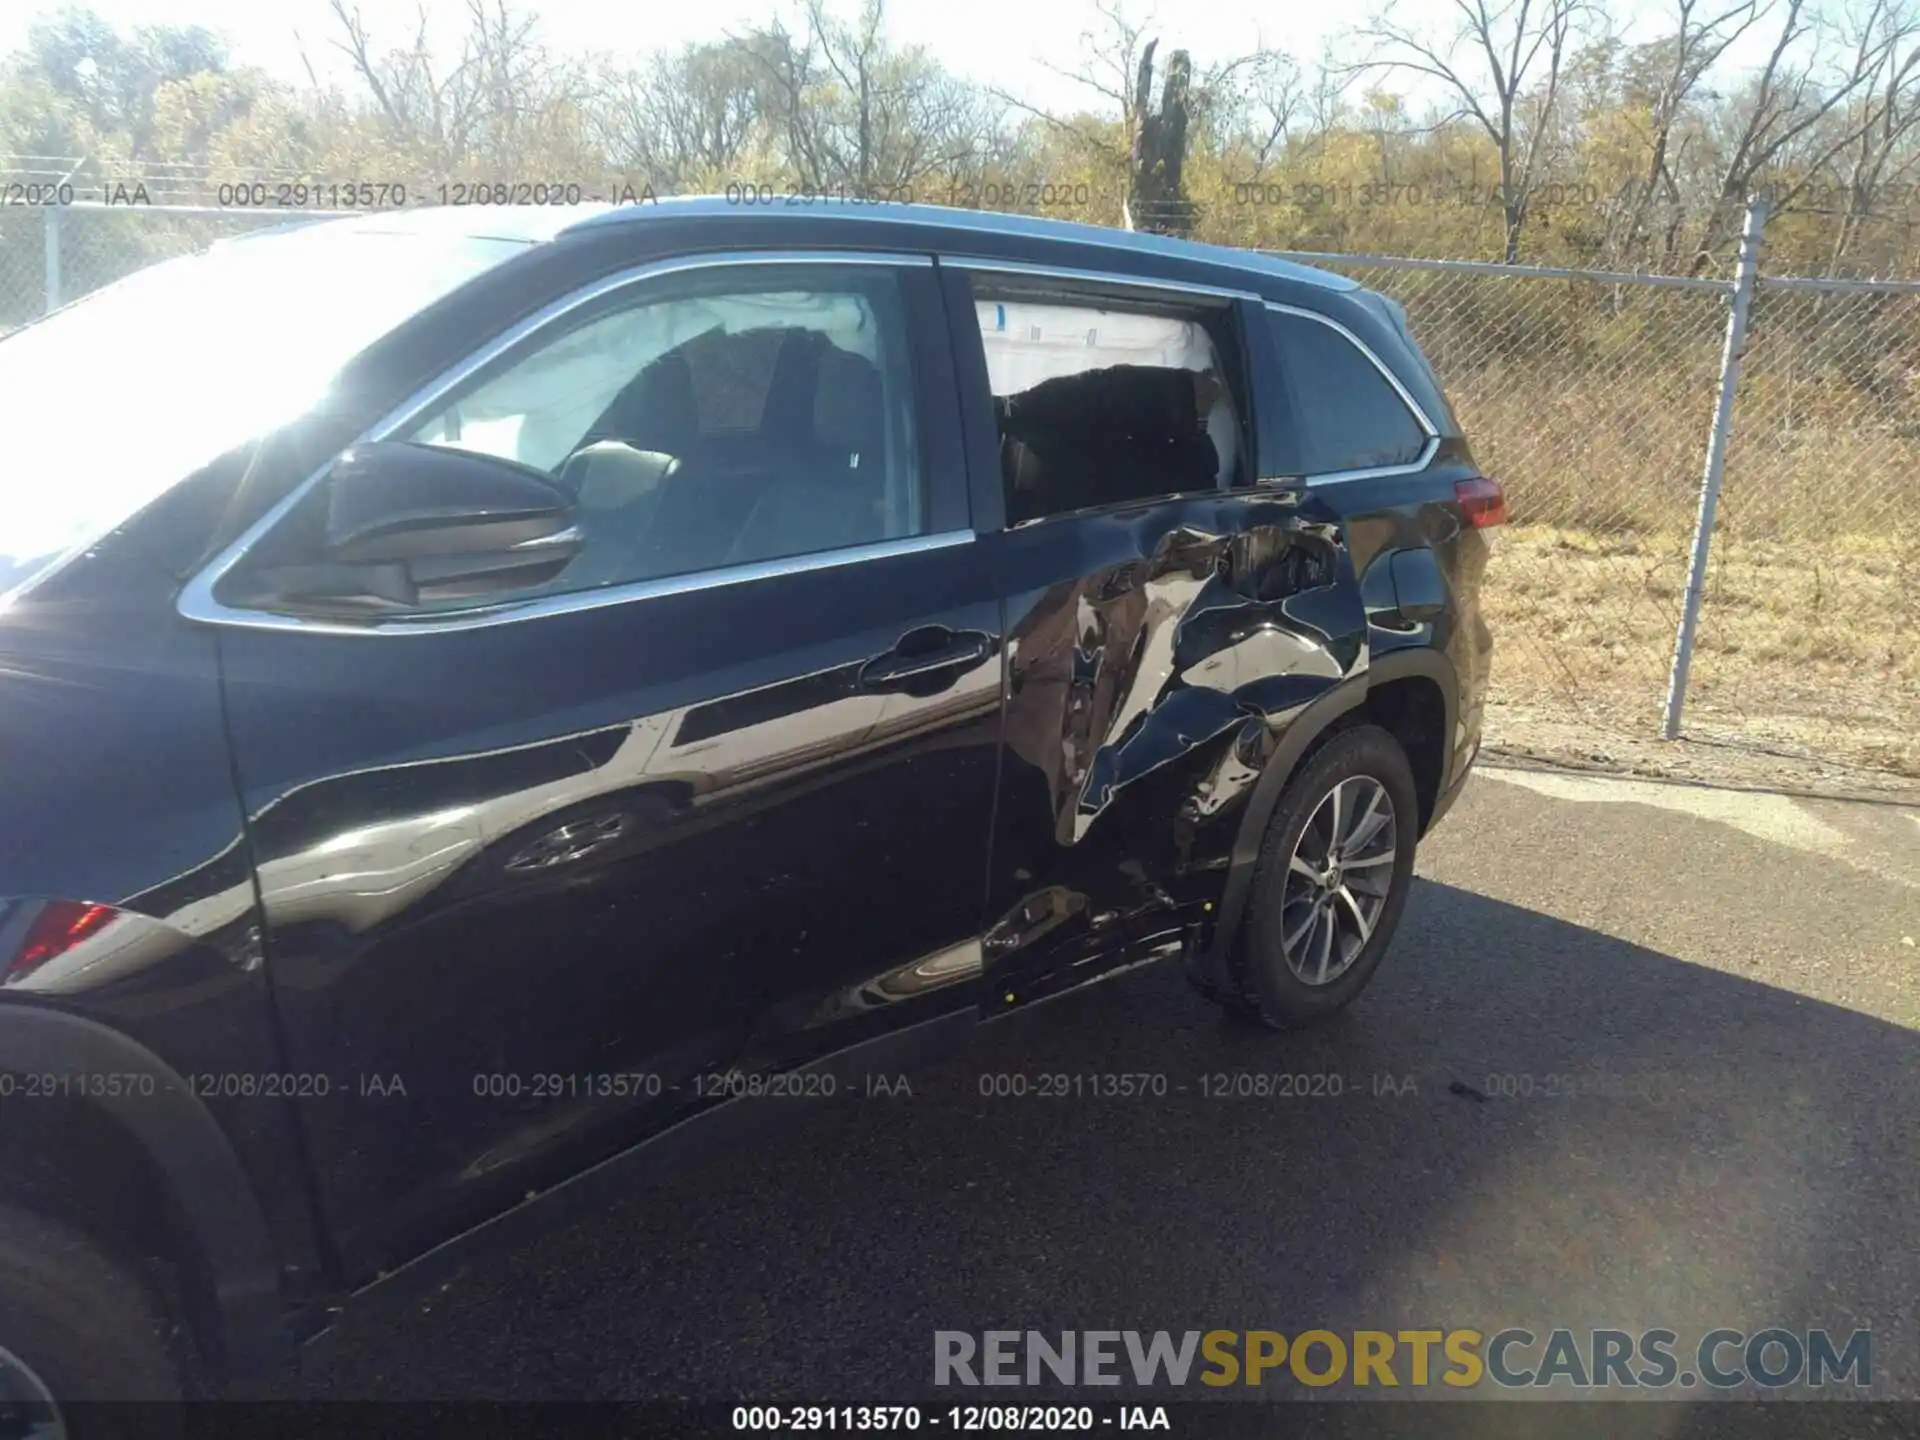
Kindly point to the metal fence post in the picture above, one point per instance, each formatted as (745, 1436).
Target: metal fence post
(1749, 266)
(52, 212)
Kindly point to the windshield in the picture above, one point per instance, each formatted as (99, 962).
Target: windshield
(111, 401)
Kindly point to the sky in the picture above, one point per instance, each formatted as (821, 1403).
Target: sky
(1018, 46)
(1006, 43)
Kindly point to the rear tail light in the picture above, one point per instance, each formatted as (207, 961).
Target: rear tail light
(1482, 502)
(60, 925)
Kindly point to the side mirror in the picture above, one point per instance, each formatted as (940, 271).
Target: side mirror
(407, 524)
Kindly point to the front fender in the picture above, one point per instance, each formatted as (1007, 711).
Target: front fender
(191, 1153)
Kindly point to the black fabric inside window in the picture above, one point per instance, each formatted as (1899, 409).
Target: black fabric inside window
(1101, 437)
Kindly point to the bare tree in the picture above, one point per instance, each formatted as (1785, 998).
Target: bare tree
(1111, 55)
(500, 97)
(786, 65)
(856, 112)
(422, 109)
(1253, 96)
(1156, 187)
(685, 117)
(1326, 102)
(854, 56)
(1270, 101)
(1784, 115)
(1676, 65)
(1887, 114)
(1508, 84)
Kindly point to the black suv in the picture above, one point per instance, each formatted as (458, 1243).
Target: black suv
(485, 695)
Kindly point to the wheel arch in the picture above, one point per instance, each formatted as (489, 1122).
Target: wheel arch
(1414, 695)
(1339, 708)
(239, 1327)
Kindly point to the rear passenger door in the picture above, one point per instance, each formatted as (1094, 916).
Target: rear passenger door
(715, 799)
(1171, 605)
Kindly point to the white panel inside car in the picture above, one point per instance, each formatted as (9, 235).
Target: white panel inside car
(1027, 343)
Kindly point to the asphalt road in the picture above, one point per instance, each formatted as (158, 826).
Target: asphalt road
(1749, 961)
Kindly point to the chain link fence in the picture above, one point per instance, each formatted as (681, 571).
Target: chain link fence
(56, 253)
(1590, 403)
(1810, 626)
(1591, 398)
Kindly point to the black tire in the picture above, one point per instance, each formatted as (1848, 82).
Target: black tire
(85, 1326)
(1264, 988)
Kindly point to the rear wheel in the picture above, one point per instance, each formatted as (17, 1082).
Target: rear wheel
(1332, 879)
(75, 1326)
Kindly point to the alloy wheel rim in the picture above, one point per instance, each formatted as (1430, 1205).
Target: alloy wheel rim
(1338, 878)
(567, 843)
(28, 1410)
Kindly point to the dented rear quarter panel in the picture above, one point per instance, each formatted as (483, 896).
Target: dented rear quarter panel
(1155, 656)
(1412, 518)
(1164, 658)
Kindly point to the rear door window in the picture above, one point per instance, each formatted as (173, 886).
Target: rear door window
(1100, 401)
(1348, 415)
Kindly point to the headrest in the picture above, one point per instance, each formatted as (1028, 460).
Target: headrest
(657, 410)
(847, 407)
(788, 414)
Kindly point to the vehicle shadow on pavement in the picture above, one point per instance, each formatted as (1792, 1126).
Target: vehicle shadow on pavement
(1634, 1142)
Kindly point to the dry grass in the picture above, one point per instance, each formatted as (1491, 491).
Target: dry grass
(1798, 645)
(1592, 408)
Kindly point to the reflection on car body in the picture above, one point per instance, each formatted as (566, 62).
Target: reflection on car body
(687, 646)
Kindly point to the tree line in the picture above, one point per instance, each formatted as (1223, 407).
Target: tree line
(1529, 130)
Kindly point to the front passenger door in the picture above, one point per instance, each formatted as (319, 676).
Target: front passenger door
(549, 859)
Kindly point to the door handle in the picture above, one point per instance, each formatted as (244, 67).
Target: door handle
(922, 653)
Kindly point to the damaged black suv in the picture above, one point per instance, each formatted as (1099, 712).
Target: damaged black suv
(486, 694)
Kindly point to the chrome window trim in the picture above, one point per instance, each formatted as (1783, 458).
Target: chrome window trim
(1109, 507)
(1372, 472)
(1172, 289)
(197, 601)
(1369, 472)
(962, 223)
(1093, 277)
(538, 607)
(1176, 288)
